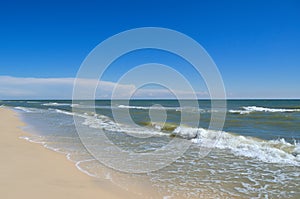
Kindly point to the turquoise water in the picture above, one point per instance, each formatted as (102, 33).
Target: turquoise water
(257, 155)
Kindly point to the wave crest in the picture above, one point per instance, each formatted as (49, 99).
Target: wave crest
(250, 109)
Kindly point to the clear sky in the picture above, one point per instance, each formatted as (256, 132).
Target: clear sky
(255, 44)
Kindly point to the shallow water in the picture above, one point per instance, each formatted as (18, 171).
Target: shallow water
(257, 155)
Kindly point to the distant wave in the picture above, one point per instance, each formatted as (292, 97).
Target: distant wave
(56, 104)
(86, 106)
(250, 109)
(148, 107)
(191, 109)
(28, 110)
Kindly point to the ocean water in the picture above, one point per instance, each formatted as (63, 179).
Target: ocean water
(256, 155)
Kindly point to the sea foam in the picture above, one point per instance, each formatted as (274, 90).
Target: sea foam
(250, 109)
(272, 151)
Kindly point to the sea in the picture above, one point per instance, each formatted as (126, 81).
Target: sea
(255, 155)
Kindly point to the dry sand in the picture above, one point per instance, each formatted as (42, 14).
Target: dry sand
(30, 171)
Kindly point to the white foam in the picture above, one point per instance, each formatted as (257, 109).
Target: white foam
(31, 140)
(178, 109)
(187, 133)
(250, 109)
(60, 104)
(56, 104)
(64, 112)
(82, 170)
(105, 123)
(23, 109)
(239, 111)
(90, 106)
(273, 151)
(273, 110)
(297, 150)
(148, 107)
(28, 110)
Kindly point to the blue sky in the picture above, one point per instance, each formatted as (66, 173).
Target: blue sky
(255, 44)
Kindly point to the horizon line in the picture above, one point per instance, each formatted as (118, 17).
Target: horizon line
(151, 99)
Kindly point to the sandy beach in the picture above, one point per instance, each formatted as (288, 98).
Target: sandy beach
(29, 170)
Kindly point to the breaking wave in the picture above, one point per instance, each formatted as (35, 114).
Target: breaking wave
(250, 109)
(58, 104)
(191, 109)
(269, 151)
(29, 110)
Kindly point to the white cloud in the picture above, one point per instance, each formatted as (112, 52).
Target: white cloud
(167, 94)
(62, 88)
(35, 88)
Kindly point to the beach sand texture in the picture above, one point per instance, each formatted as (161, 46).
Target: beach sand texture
(31, 171)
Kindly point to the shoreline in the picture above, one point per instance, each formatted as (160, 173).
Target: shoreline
(34, 171)
(29, 170)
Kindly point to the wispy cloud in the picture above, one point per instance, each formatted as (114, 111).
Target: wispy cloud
(62, 88)
(35, 88)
